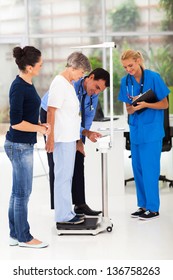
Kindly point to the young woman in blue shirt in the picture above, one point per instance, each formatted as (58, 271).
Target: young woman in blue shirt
(146, 123)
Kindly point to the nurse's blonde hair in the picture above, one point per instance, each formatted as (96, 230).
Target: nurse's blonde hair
(134, 55)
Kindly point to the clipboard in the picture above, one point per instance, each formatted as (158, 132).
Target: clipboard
(148, 96)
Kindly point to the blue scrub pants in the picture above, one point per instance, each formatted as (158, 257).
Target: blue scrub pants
(146, 169)
(64, 159)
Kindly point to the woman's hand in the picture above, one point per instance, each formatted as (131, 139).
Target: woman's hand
(46, 128)
(140, 105)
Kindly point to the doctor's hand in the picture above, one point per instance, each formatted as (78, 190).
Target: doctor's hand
(91, 135)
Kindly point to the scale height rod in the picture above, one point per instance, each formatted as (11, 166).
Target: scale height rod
(111, 99)
(104, 184)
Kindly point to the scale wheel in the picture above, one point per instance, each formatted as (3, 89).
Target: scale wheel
(109, 229)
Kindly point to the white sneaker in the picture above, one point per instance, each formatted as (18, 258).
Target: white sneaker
(27, 245)
(13, 241)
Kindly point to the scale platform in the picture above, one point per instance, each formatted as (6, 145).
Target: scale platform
(89, 223)
(90, 226)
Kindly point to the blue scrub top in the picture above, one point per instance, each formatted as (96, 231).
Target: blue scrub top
(89, 112)
(147, 126)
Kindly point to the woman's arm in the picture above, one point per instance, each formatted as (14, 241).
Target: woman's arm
(29, 127)
(162, 104)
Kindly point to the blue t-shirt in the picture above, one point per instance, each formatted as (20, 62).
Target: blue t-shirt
(24, 106)
(147, 126)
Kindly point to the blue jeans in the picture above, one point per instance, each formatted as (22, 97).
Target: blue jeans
(21, 157)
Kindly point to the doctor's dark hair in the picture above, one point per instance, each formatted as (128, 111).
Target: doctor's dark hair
(26, 56)
(78, 60)
(101, 74)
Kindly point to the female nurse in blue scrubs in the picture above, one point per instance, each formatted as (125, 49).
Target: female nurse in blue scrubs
(146, 130)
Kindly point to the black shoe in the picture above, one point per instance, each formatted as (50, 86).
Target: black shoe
(138, 213)
(84, 209)
(148, 215)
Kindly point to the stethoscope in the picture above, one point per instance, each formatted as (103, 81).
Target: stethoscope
(132, 85)
(81, 93)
